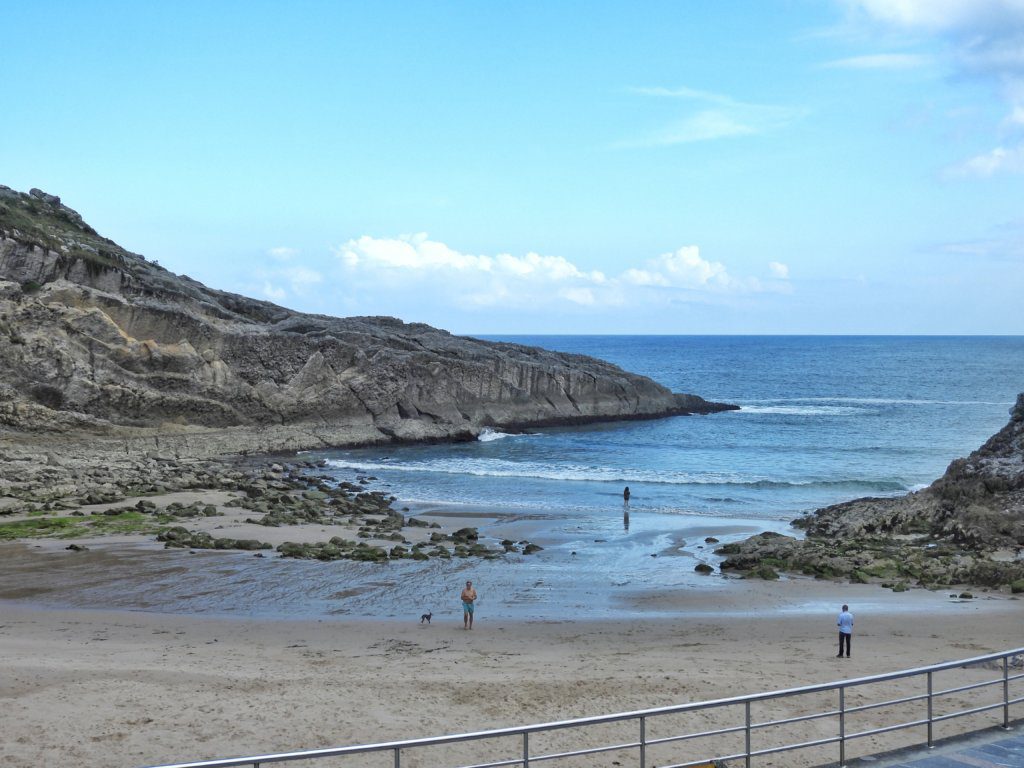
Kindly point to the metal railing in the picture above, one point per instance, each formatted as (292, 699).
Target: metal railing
(748, 728)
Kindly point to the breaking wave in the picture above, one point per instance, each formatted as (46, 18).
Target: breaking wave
(488, 435)
(499, 468)
(801, 410)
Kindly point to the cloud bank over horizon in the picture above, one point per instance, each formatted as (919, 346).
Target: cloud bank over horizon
(536, 282)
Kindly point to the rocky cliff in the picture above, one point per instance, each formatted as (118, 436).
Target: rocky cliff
(966, 527)
(95, 340)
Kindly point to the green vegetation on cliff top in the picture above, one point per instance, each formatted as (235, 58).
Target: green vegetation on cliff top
(57, 228)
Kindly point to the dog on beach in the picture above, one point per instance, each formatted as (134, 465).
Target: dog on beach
(426, 617)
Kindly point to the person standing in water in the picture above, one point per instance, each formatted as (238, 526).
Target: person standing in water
(625, 496)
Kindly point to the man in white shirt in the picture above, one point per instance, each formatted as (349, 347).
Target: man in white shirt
(845, 624)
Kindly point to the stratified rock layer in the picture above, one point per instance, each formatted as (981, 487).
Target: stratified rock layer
(966, 527)
(96, 340)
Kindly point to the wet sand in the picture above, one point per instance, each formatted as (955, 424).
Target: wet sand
(593, 569)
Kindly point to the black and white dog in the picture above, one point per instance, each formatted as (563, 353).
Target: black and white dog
(426, 617)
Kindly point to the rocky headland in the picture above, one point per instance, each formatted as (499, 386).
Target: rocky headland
(112, 353)
(131, 396)
(965, 528)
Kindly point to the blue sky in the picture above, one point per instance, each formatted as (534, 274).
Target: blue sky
(772, 166)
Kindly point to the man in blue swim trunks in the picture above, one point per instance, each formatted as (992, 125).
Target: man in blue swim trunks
(468, 599)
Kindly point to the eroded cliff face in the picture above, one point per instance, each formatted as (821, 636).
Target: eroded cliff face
(97, 340)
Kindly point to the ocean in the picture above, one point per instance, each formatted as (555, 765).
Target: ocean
(821, 420)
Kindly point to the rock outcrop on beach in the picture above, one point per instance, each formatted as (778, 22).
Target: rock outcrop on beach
(98, 341)
(965, 528)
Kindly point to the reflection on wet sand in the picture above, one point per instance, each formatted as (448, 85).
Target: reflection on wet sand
(580, 573)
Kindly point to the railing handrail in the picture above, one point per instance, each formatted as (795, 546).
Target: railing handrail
(521, 730)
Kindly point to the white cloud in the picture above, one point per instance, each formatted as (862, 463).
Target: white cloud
(283, 253)
(279, 283)
(273, 293)
(301, 278)
(998, 160)
(421, 268)
(702, 126)
(685, 268)
(683, 92)
(1005, 244)
(645, 277)
(583, 296)
(418, 252)
(943, 14)
(779, 270)
(410, 252)
(977, 248)
(725, 118)
(982, 39)
(881, 61)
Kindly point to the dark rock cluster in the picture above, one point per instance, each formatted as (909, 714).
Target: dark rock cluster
(180, 537)
(33, 482)
(462, 543)
(965, 528)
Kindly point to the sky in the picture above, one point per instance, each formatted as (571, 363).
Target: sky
(767, 166)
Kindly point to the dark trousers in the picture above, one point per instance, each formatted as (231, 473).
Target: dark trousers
(844, 637)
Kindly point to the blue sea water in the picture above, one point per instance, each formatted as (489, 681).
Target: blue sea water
(822, 420)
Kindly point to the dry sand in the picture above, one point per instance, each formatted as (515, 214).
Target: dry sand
(88, 688)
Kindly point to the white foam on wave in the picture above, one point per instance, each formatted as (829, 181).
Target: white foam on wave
(837, 406)
(490, 468)
(875, 401)
(481, 467)
(800, 410)
(904, 401)
(488, 435)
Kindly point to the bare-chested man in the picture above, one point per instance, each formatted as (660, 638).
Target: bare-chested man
(468, 599)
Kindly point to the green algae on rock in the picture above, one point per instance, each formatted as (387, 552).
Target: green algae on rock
(965, 528)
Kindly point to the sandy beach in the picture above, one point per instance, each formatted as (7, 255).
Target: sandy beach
(127, 654)
(126, 688)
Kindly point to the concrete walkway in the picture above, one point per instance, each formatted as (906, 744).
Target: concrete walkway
(990, 749)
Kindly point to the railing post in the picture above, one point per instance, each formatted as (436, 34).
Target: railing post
(398, 757)
(1006, 693)
(526, 749)
(643, 742)
(930, 709)
(747, 708)
(842, 726)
